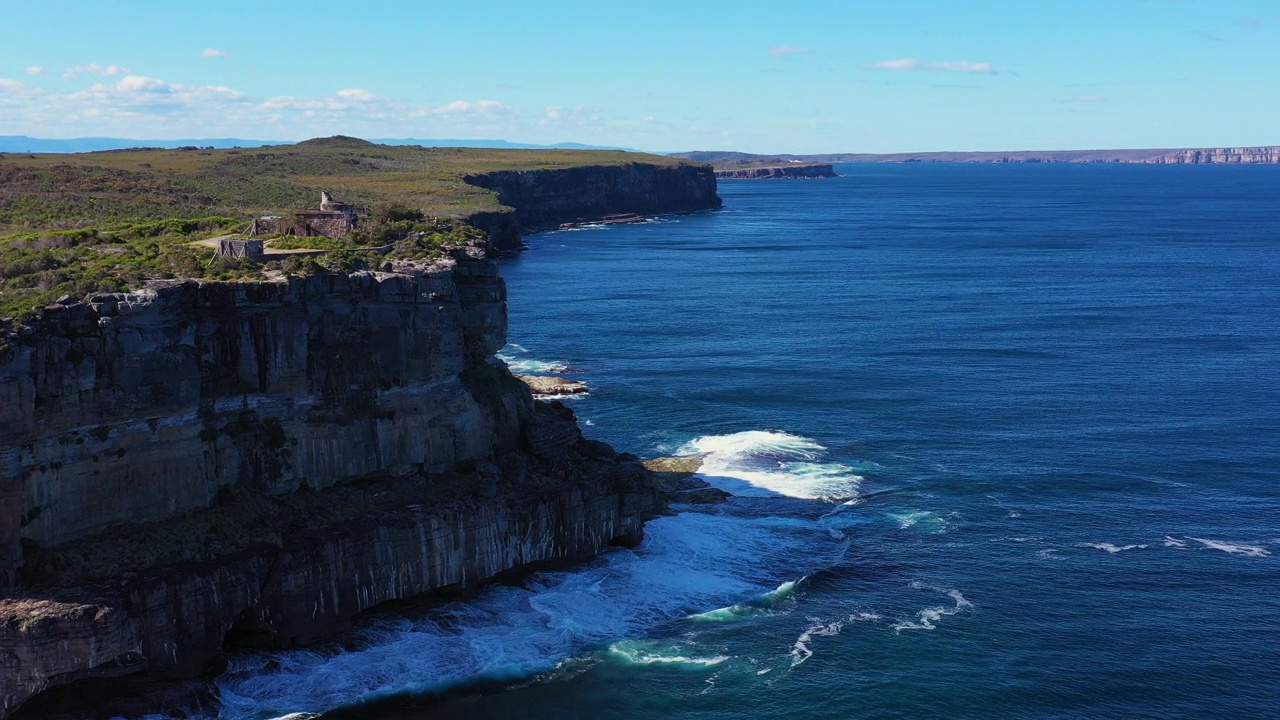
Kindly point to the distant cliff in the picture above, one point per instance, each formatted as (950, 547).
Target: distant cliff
(1165, 156)
(546, 199)
(1219, 156)
(202, 466)
(778, 172)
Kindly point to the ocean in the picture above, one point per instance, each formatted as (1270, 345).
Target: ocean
(1003, 441)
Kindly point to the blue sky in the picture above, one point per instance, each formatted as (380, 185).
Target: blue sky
(796, 76)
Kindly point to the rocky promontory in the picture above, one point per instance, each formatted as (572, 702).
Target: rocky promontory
(546, 199)
(201, 466)
(788, 171)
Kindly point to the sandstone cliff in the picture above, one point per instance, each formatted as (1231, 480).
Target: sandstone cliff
(1219, 156)
(779, 172)
(545, 199)
(205, 465)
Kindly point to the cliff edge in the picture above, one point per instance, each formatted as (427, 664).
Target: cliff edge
(201, 466)
(546, 199)
(789, 171)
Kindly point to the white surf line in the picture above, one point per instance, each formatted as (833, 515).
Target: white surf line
(1232, 548)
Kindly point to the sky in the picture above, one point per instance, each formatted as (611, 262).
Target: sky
(799, 76)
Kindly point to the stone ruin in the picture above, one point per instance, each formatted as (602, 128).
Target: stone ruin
(236, 248)
(333, 219)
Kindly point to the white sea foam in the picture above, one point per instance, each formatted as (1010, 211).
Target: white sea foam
(926, 520)
(762, 463)
(1113, 549)
(570, 396)
(927, 619)
(800, 651)
(1170, 541)
(1233, 548)
(688, 560)
(764, 604)
(648, 652)
(530, 366)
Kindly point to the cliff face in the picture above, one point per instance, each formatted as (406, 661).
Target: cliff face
(135, 407)
(179, 467)
(781, 172)
(545, 199)
(1218, 156)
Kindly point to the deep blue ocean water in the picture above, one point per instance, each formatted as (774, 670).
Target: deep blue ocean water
(1004, 442)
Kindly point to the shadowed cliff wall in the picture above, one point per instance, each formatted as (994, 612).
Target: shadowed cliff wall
(544, 199)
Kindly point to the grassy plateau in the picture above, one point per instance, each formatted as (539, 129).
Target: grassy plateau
(75, 224)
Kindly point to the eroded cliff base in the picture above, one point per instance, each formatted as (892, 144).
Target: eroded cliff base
(166, 600)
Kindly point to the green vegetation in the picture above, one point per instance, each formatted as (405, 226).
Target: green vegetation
(109, 221)
(61, 191)
(37, 268)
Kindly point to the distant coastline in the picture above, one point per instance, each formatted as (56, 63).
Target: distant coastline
(1262, 155)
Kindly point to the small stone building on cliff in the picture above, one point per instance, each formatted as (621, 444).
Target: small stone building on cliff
(333, 219)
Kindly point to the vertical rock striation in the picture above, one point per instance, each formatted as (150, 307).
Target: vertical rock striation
(202, 465)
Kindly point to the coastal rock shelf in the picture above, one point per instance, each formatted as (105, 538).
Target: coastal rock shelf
(206, 465)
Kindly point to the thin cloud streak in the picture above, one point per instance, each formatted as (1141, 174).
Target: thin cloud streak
(93, 69)
(912, 64)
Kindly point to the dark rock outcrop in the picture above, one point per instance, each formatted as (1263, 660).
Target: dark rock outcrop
(546, 199)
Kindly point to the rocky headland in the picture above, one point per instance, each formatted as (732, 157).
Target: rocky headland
(547, 199)
(200, 466)
(788, 171)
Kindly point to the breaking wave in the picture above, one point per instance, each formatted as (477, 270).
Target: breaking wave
(510, 633)
(761, 463)
(1233, 548)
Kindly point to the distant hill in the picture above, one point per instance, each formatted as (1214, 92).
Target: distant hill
(25, 144)
(1156, 156)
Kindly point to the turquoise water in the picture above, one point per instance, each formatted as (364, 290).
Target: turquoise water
(1003, 442)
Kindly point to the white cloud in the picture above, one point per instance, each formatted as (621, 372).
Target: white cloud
(457, 106)
(120, 103)
(959, 66)
(554, 112)
(212, 53)
(93, 69)
(779, 52)
(35, 70)
(138, 83)
(486, 108)
(903, 64)
(492, 107)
